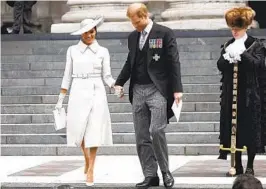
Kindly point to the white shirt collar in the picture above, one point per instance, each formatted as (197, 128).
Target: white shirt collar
(149, 27)
(244, 38)
(93, 47)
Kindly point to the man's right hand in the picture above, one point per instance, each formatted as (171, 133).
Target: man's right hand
(119, 91)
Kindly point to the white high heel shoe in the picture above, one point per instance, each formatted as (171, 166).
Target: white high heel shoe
(89, 183)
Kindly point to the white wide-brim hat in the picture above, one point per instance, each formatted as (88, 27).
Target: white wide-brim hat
(88, 24)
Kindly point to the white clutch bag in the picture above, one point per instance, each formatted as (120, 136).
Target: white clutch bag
(177, 109)
(59, 119)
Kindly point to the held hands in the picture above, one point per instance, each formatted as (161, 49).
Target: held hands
(119, 91)
(59, 103)
(178, 97)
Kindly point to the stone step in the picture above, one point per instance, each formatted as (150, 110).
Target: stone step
(27, 74)
(116, 57)
(114, 46)
(116, 149)
(185, 40)
(35, 66)
(29, 47)
(54, 90)
(35, 90)
(115, 117)
(51, 81)
(126, 127)
(118, 138)
(52, 99)
(65, 185)
(105, 186)
(113, 108)
(206, 38)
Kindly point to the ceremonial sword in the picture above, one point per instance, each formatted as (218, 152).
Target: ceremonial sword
(233, 149)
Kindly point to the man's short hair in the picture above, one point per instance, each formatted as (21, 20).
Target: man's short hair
(141, 12)
(247, 181)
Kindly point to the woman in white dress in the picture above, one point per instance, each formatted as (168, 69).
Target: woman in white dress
(88, 117)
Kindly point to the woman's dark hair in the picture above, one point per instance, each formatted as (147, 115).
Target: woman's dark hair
(96, 31)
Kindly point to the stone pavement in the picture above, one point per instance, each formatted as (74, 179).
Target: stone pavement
(190, 172)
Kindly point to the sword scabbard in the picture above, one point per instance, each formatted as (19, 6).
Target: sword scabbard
(233, 148)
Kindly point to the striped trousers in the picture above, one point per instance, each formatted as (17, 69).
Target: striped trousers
(150, 120)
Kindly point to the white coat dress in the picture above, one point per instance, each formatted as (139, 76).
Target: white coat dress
(88, 115)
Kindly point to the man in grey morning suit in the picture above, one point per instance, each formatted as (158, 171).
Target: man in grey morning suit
(155, 83)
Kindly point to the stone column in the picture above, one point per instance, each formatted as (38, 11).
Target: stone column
(6, 13)
(58, 9)
(155, 8)
(41, 13)
(114, 12)
(197, 14)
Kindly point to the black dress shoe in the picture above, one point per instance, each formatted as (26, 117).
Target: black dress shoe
(168, 179)
(249, 171)
(149, 181)
(239, 171)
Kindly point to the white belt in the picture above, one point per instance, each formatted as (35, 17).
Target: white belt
(85, 76)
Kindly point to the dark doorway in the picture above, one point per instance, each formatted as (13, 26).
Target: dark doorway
(260, 8)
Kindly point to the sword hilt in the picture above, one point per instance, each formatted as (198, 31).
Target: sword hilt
(233, 150)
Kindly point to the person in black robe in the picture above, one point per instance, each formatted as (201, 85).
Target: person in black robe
(249, 53)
